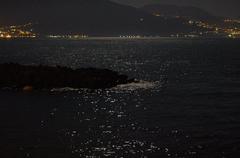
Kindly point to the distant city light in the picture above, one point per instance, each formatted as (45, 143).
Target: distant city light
(203, 29)
(68, 36)
(18, 31)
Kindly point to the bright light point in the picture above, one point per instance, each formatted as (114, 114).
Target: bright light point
(8, 36)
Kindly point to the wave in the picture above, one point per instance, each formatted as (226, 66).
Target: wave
(64, 89)
(136, 85)
(126, 87)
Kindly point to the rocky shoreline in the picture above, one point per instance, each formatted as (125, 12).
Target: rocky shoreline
(28, 77)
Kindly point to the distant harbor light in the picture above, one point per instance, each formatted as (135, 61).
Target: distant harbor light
(67, 36)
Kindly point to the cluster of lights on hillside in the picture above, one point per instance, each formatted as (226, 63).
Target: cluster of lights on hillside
(231, 31)
(232, 21)
(18, 31)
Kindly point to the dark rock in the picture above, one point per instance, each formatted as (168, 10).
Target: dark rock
(46, 77)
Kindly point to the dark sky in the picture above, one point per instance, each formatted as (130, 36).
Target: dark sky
(216, 7)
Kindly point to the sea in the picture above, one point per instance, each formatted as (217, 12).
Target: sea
(185, 105)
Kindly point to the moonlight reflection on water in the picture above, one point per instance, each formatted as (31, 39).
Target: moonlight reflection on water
(186, 105)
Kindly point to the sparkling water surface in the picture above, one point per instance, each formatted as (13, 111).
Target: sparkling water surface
(186, 104)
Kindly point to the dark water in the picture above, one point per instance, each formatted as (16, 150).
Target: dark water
(187, 104)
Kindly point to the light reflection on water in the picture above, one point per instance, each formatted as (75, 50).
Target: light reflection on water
(104, 124)
(109, 128)
(186, 104)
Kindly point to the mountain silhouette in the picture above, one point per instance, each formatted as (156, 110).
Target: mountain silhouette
(187, 12)
(92, 17)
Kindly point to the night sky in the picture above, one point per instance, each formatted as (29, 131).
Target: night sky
(216, 7)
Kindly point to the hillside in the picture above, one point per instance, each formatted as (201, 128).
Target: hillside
(187, 12)
(92, 17)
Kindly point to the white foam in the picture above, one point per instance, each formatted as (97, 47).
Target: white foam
(65, 89)
(125, 87)
(136, 85)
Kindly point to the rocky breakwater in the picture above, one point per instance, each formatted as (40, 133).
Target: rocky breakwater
(28, 77)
